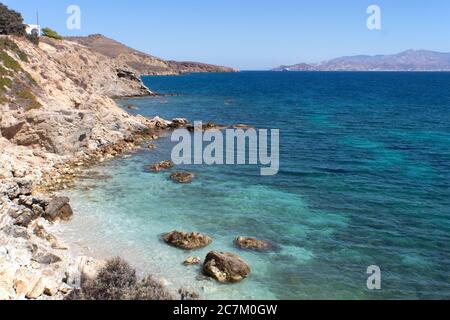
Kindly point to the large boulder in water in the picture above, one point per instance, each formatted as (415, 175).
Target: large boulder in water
(248, 243)
(226, 267)
(163, 165)
(182, 177)
(58, 209)
(186, 241)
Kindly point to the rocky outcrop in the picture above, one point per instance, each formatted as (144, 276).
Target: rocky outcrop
(186, 241)
(226, 267)
(160, 123)
(182, 177)
(206, 127)
(178, 123)
(248, 243)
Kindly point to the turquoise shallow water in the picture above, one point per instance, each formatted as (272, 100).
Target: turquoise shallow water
(364, 180)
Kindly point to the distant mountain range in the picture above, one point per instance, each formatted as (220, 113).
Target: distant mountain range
(143, 63)
(410, 60)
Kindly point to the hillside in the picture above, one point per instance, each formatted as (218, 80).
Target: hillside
(410, 60)
(143, 63)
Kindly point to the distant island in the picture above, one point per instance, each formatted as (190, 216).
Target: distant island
(410, 60)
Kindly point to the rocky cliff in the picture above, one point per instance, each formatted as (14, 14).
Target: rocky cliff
(142, 63)
(56, 107)
(56, 99)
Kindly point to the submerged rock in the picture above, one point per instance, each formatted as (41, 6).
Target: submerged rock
(242, 126)
(226, 267)
(163, 165)
(188, 295)
(186, 241)
(59, 209)
(192, 261)
(247, 243)
(182, 177)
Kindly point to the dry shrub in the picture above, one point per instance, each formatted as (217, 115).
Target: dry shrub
(118, 281)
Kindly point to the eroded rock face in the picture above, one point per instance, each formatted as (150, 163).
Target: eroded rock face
(226, 267)
(187, 241)
(59, 209)
(248, 243)
(163, 165)
(23, 216)
(182, 177)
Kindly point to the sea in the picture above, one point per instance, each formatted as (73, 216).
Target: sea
(363, 185)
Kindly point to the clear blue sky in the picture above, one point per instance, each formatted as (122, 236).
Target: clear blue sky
(253, 34)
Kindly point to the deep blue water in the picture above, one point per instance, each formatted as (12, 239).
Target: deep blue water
(364, 180)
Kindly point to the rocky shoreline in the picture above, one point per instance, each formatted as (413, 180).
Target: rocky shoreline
(33, 263)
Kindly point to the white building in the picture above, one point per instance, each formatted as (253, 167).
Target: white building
(31, 28)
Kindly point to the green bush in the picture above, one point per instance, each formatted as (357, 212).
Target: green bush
(47, 32)
(11, 22)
